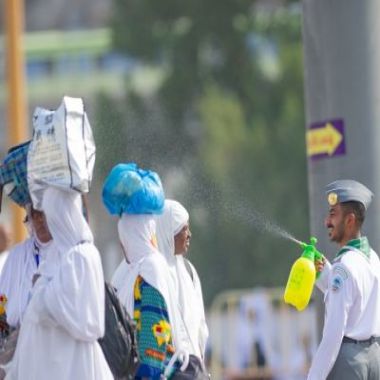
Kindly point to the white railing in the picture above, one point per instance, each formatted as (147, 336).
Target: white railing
(255, 335)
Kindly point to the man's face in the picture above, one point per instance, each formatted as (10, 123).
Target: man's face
(40, 226)
(182, 240)
(335, 222)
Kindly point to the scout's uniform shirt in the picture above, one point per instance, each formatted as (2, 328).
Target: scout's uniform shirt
(351, 287)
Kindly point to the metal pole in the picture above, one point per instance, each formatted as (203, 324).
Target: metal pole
(16, 99)
(342, 87)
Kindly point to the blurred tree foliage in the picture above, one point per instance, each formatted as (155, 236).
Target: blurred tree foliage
(225, 128)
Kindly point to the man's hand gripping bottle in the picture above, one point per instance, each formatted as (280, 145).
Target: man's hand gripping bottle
(302, 276)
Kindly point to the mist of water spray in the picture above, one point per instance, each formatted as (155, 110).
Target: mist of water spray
(145, 140)
(256, 219)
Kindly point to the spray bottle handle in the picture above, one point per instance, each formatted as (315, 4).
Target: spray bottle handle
(317, 255)
(312, 251)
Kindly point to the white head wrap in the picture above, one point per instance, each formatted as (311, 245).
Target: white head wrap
(189, 293)
(67, 225)
(174, 218)
(137, 235)
(47, 251)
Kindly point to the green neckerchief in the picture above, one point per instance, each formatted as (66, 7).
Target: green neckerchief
(361, 244)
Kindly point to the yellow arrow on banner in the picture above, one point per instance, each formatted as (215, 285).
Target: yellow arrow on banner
(323, 140)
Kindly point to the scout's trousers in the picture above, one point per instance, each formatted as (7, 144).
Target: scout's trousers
(357, 361)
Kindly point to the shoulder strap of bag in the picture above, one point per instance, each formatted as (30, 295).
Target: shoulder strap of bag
(122, 315)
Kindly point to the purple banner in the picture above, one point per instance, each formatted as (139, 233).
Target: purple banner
(326, 139)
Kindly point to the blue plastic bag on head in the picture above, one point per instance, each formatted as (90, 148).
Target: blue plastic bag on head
(13, 174)
(131, 190)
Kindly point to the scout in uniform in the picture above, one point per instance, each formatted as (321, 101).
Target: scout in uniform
(349, 348)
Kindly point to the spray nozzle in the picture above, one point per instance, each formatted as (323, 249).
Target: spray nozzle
(313, 242)
(310, 250)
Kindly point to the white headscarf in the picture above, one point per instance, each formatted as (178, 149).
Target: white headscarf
(189, 293)
(138, 236)
(67, 225)
(174, 218)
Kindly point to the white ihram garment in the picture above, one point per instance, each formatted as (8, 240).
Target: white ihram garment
(189, 293)
(65, 317)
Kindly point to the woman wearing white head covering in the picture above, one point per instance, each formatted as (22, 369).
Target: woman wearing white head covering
(173, 236)
(65, 317)
(143, 280)
(145, 288)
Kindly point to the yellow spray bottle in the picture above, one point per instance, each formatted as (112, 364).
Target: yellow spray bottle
(302, 276)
